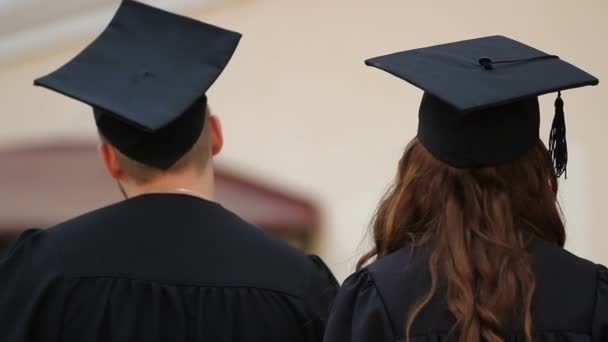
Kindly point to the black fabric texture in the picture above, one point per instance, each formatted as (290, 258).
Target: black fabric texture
(478, 139)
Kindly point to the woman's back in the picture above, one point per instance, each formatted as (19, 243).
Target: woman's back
(468, 241)
(570, 302)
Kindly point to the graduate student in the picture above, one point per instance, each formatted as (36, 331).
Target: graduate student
(167, 263)
(469, 241)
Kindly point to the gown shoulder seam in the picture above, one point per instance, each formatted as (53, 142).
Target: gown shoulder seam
(372, 283)
(163, 282)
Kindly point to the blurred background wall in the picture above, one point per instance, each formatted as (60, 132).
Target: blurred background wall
(300, 110)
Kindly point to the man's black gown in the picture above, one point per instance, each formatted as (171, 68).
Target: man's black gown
(570, 304)
(160, 267)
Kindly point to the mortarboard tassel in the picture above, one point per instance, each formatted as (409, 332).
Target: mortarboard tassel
(558, 146)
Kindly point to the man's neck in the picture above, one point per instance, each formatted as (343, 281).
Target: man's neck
(198, 186)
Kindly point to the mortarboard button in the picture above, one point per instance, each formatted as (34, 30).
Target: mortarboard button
(486, 63)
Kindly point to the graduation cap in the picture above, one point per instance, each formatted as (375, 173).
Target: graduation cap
(145, 77)
(480, 106)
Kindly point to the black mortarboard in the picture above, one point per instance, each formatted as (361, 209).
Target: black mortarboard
(480, 106)
(146, 76)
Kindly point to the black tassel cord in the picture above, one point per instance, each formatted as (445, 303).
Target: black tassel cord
(558, 146)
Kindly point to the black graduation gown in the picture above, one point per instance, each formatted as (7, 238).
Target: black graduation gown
(161, 267)
(570, 305)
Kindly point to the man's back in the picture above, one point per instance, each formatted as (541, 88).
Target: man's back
(161, 267)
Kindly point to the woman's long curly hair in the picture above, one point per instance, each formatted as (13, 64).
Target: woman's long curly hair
(478, 224)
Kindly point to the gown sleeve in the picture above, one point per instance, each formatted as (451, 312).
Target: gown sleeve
(25, 280)
(358, 314)
(600, 323)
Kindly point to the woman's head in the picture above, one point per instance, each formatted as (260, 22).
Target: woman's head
(478, 223)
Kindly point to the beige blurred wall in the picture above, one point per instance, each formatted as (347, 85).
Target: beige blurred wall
(300, 109)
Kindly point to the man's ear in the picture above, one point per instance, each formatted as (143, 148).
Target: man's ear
(217, 136)
(110, 160)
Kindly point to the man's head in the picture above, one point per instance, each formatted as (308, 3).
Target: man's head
(194, 166)
(148, 95)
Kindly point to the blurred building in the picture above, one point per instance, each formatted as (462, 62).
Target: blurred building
(307, 125)
(68, 179)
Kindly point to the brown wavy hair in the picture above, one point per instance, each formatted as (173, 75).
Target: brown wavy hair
(478, 224)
